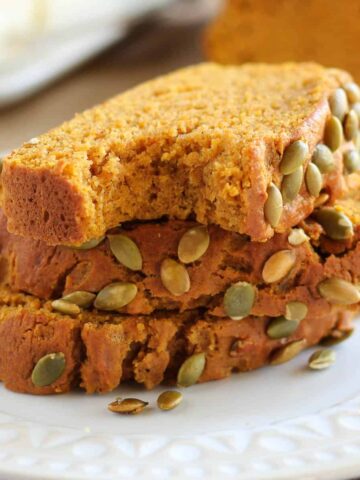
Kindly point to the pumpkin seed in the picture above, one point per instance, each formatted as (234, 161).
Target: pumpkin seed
(80, 298)
(291, 184)
(336, 336)
(280, 327)
(239, 299)
(169, 400)
(338, 103)
(128, 406)
(94, 242)
(351, 125)
(125, 251)
(174, 277)
(313, 179)
(333, 134)
(288, 352)
(297, 236)
(191, 370)
(273, 206)
(339, 291)
(278, 266)
(193, 244)
(352, 91)
(351, 161)
(294, 156)
(115, 296)
(65, 307)
(48, 369)
(296, 311)
(321, 199)
(322, 359)
(336, 224)
(323, 158)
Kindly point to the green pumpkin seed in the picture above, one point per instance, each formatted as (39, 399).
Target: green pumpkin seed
(352, 91)
(278, 266)
(280, 327)
(80, 298)
(174, 277)
(193, 244)
(169, 400)
(336, 225)
(294, 156)
(296, 311)
(291, 184)
(351, 126)
(48, 369)
(333, 135)
(339, 291)
(191, 370)
(336, 336)
(94, 242)
(322, 359)
(65, 307)
(115, 296)
(239, 300)
(125, 251)
(313, 179)
(338, 103)
(128, 406)
(351, 160)
(297, 236)
(273, 206)
(323, 158)
(288, 352)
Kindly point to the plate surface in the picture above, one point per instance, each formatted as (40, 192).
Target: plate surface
(282, 422)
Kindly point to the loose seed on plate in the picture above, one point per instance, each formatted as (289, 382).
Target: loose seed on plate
(239, 299)
(296, 310)
(336, 224)
(323, 158)
(125, 251)
(80, 298)
(338, 103)
(351, 161)
(193, 244)
(339, 291)
(322, 359)
(128, 406)
(352, 91)
(333, 135)
(280, 327)
(278, 266)
(94, 242)
(191, 370)
(273, 206)
(313, 179)
(115, 296)
(335, 337)
(351, 125)
(169, 400)
(291, 184)
(288, 352)
(294, 156)
(65, 307)
(297, 236)
(48, 369)
(174, 277)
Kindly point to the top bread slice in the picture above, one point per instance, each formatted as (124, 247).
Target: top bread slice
(204, 142)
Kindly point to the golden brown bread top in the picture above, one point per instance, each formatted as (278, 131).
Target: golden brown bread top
(205, 140)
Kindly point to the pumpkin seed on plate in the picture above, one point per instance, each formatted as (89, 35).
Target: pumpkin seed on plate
(323, 158)
(239, 299)
(351, 160)
(335, 337)
(94, 242)
(322, 359)
(280, 327)
(297, 236)
(174, 277)
(352, 91)
(115, 296)
(80, 298)
(291, 184)
(339, 291)
(333, 135)
(351, 126)
(313, 179)
(296, 310)
(336, 224)
(169, 400)
(294, 156)
(338, 103)
(125, 251)
(127, 406)
(65, 307)
(193, 244)
(48, 369)
(273, 206)
(191, 370)
(288, 352)
(278, 266)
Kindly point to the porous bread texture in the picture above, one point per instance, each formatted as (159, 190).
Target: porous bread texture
(205, 141)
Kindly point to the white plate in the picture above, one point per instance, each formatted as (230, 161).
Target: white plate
(276, 423)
